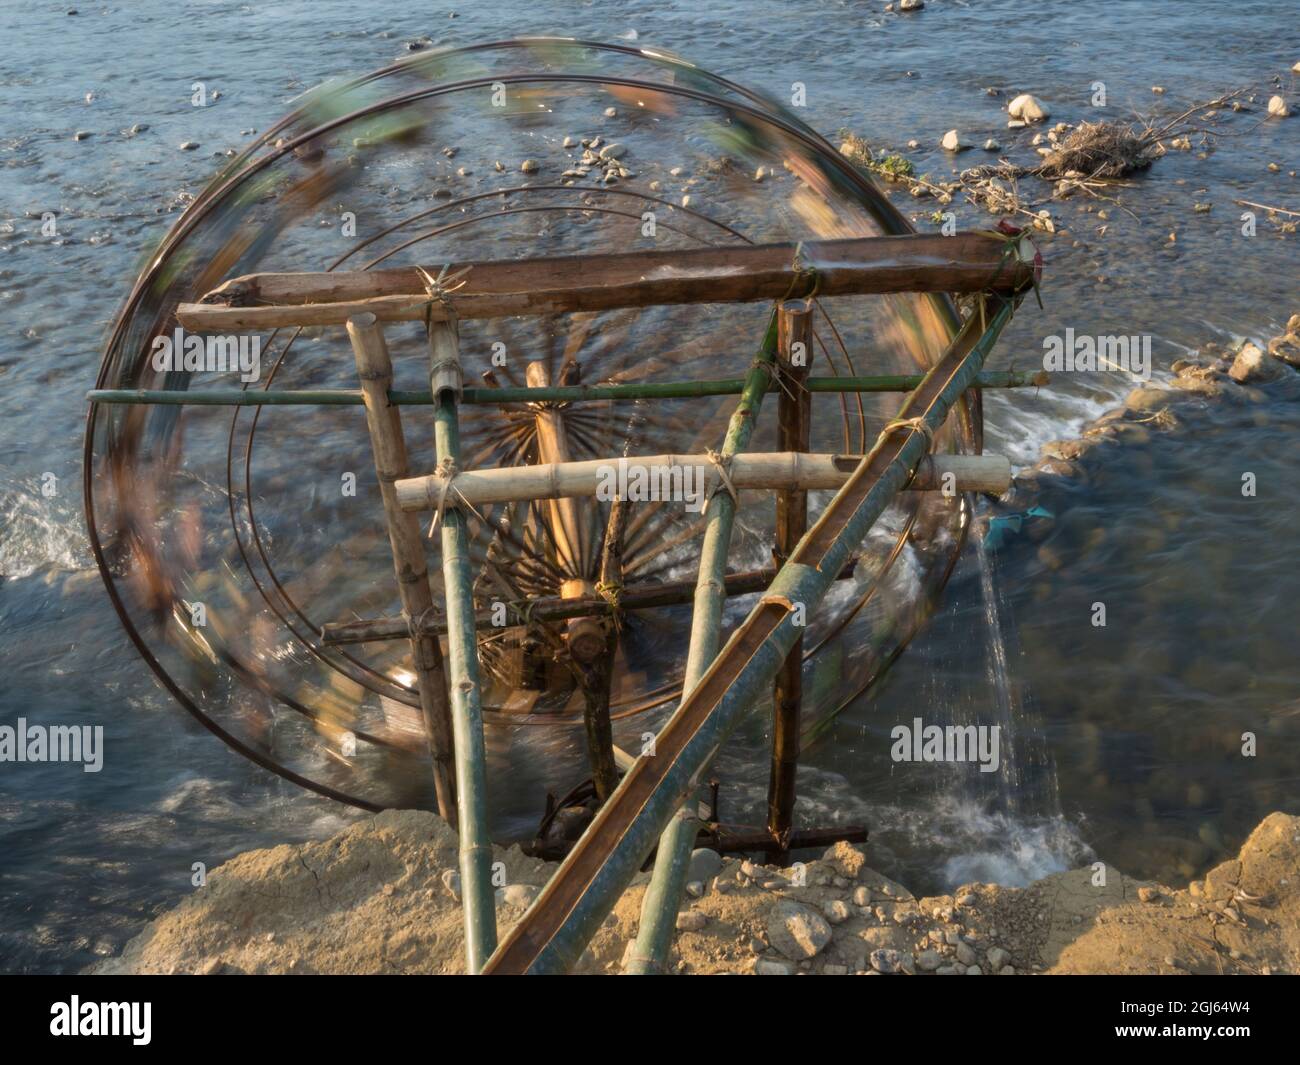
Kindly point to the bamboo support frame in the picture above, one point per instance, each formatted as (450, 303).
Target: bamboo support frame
(663, 896)
(794, 421)
(477, 890)
(580, 895)
(344, 397)
(963, 262)
(693, 476)
(719, 686)
(375, 368)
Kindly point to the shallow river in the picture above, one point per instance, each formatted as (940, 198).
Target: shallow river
(1126, 737)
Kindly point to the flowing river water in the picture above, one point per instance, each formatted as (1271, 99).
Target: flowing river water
(1120, 741)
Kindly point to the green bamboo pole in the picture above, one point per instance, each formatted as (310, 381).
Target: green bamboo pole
(584, 890)
(477, 890)
(663, 897)
(348, 397)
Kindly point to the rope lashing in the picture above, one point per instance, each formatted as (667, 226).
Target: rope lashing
(915, 425)
(802, 273)
(612, 593)
(444, 476)
(426, 618)
(722, 463)
(440, 288)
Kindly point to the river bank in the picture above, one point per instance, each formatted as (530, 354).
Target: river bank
(382, 897)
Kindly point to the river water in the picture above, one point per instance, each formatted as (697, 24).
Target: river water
(1126, 737)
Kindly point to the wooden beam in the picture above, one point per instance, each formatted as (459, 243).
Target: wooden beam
(375, 369)
(794, 424)
(964, 262)
(553, 608)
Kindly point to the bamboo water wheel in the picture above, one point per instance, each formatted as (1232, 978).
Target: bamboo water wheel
(231, 536)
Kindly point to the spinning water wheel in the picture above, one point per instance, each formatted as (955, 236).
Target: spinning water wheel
(571, 254)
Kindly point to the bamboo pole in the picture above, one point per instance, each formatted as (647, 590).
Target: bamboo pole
(375, 369)
(690, 478)
(963, 262)
(552, 608)
(663, 896)
(598, 674)
(794, 419)
(568, 518)
(343, 397)
(477, 889)
(581, 894)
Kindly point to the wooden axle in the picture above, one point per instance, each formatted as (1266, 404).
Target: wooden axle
(690, 478)
(964, 262)
(552, 608)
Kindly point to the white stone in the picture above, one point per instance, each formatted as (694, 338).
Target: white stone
(952, 141)
(796, 931)
(1027, 107)
(1277, 107)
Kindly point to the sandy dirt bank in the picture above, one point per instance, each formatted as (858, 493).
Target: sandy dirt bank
(380, 897)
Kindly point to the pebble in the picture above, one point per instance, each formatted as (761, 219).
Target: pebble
(569, 142)
(886, 961)
(1252, 364)
(831, 969)
(952, 141)
(929, 961)
(518, 895)
(991, 145)
(974, 970)
(81, 135)
(610, 112)
(188, 146)
(997, 957)
(1148, 894)
(797, 931)
(530, 166)
(704, 864)
(770, 967)
(836, 911)
(861, 896)
(691, 921)
(613, 151)
(965, 953)
(911, 5)
(695, 889)
(1278, 108)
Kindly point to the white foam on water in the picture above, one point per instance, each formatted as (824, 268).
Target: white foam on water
(37, 532)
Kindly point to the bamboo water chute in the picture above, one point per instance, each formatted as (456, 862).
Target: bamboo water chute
(963, 262)
(762, 658)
